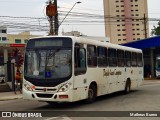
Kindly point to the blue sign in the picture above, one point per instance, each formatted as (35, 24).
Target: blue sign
(48, 74)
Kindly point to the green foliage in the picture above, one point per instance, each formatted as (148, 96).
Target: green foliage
(156, 30)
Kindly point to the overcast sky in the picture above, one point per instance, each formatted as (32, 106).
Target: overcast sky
(36, 8)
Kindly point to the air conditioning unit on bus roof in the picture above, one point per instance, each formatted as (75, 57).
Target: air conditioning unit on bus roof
(102, 39)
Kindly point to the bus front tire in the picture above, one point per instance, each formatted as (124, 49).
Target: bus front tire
(92, 94)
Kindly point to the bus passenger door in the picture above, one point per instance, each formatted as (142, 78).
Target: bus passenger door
(80, 78)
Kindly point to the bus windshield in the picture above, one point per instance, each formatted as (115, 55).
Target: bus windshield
(47, 62)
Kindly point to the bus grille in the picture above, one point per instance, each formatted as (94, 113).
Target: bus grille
(44, 95)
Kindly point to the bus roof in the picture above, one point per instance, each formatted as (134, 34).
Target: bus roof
(94, 42)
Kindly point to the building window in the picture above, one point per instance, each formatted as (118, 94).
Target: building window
(4, 38)
(4, 31)
(119, 39)
(17, 40)
(25, 41)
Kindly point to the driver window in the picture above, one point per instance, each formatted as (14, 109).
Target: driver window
(79, 59)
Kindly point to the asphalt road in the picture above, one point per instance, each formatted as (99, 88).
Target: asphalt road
(145, 98)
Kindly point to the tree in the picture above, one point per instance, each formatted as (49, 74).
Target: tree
(156, 30)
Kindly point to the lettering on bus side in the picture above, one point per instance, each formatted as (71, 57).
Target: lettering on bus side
(109, 72)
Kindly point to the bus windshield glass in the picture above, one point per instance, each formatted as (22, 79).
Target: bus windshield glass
(45, 59)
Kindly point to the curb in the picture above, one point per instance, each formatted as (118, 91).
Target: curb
(10, 98)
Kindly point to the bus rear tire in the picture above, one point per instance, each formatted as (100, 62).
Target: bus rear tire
(127, 87)
(92, 94)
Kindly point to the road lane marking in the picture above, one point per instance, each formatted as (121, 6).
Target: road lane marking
(63, 117)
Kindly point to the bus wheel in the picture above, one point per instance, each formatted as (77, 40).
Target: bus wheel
(92, 94)
(127, 87)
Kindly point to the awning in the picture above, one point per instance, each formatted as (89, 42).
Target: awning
(151, 42)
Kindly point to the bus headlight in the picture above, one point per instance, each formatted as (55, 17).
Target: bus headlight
(65, 87)
(28, 87)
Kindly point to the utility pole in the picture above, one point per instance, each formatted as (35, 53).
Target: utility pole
(56, 23)
(145, 25)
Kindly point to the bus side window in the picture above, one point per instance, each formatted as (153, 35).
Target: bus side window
(120, 58)
(112, 57)
(92, 56)
(128, 59)
(140, 60)
(102, 56)
(79, 59)
(134, 59)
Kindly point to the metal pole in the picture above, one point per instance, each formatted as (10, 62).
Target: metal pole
(68, 13)
(56, 24)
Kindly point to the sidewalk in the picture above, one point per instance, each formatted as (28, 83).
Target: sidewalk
(4, 96)
(147, 82)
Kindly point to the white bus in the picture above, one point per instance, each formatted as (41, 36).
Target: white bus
(67, 69)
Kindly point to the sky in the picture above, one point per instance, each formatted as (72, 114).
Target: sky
(36, 8)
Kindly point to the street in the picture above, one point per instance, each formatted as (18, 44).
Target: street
(145, 98)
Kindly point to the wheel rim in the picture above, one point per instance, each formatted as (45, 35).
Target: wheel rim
(128, 88)
(90, 94)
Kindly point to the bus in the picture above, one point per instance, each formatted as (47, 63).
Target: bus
(158, 66)
(68, 69)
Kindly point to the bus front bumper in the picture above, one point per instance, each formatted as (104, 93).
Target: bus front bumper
(44, 96)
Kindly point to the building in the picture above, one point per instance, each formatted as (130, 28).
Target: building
(8, 43)
(126, 20)
(21, 38)
(3, 34)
